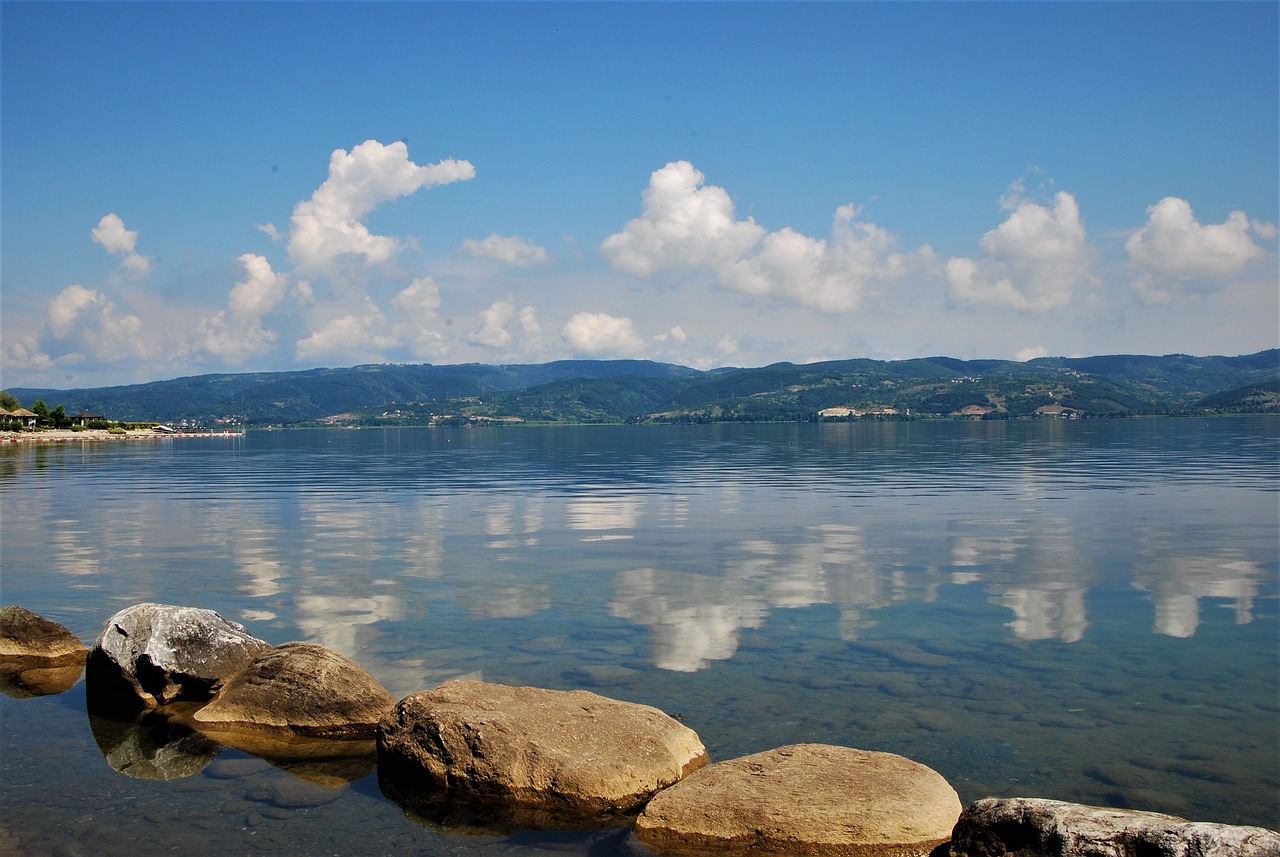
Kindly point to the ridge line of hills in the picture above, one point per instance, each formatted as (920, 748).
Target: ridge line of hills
(613, 391)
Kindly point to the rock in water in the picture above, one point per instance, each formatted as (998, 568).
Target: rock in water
(553, 758)
(303, 689)
(155, 654)
(1033, 827)
(24, 634)
(805, 799)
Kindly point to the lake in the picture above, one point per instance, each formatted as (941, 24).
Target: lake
(1082, 610)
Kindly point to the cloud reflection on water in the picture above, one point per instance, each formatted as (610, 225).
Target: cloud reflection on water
(697, 566)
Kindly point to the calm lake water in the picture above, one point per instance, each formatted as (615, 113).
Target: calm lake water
(1077, 610)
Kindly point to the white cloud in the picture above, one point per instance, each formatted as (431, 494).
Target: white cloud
(1030, 262)
(351, 336)
(1031, 353)
(600, 334)
(685, 225)
(269, 230)
(529, 322)
(331, 225)
(496, 327)
(415, 307)
(1175, 253)
(493, 325)
(832, 276)
(260, 291)
(508, 249)
(23, 352)
(675, 334)
(118, 241)
(89, 319)
(237, 331)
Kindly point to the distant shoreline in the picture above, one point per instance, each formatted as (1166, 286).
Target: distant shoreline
(66, 435)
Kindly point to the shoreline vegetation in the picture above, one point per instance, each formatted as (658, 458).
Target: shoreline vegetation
(641, 392)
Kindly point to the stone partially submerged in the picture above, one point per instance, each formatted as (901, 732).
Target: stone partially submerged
(38, 656)
(805, 799)
(297, 690)
(31, 637)
(474, 754)
(156, 654)
(1034, 827)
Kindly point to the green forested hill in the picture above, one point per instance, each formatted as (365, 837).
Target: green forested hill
(643, 391)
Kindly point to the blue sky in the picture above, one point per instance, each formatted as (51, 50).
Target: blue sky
(199, 187)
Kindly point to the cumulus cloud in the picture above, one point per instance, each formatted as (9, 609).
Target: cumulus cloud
(330, 225)
(237, 331)
(686, 225)
(366, 334)
(1031, 352)
(1031, 262)
(416, 307)
(23, 352)
(1174, 253)
(91, 322)
(600, 334)
(493, 325)
(683, 225)
(507, 249)
(500, 322)
(829, 275)
(119, 241)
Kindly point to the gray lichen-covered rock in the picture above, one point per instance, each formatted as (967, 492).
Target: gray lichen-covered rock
(301, 689)
(1033, 827)
(24, 634)
(156, 654)
(805, 799)
(552, 758)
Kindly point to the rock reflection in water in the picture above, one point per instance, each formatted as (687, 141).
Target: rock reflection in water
(26, 678)
(328, 762)
(153, 746)
(471, 813)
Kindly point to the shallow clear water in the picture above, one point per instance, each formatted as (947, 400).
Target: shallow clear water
(1077, 610)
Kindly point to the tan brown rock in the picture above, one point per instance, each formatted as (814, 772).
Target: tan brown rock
(300, 689)
(805, 799)
(1034, 827)
(24, 634)
(552, 758)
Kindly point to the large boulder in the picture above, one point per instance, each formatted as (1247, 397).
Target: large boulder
(1033, 827)
(24, 634)
(546, 758)
(155, 654)
(805, 799)
(297, 689)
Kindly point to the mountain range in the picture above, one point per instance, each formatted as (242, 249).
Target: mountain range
(643, 391)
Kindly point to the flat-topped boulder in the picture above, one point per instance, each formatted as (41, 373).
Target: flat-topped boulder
(553, 758)
(156, 654)
(27, 635)
(1034, 827)
(804, 799)
(296, 689)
